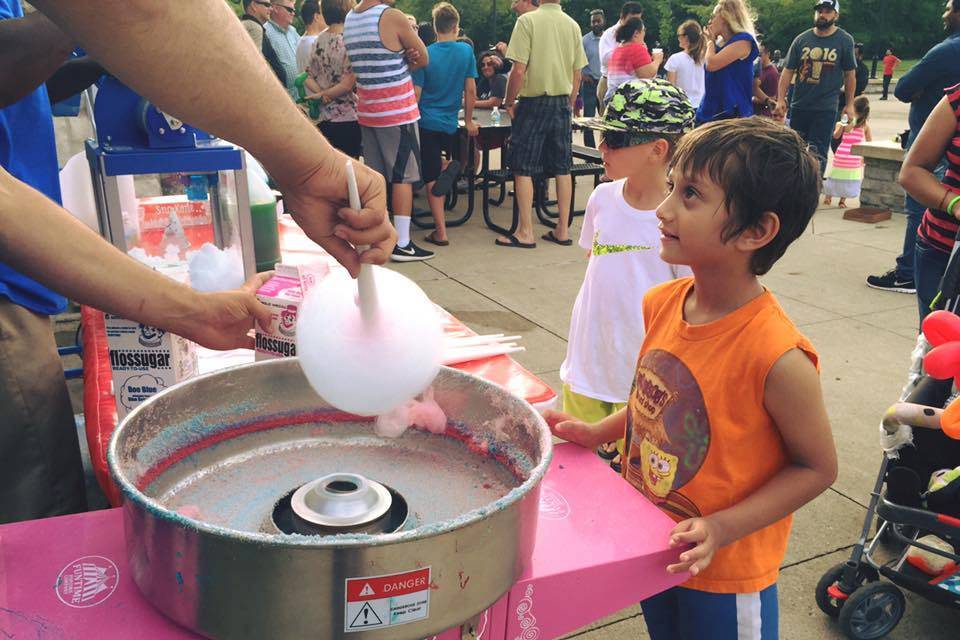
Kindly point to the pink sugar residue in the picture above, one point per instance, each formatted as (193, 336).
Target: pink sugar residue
(424, 414)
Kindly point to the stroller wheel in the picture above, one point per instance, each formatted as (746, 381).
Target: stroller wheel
(872, 611)
(828, 603)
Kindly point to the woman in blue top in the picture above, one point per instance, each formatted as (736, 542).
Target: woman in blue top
(728, 85)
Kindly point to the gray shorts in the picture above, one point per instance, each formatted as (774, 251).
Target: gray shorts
(394, 152)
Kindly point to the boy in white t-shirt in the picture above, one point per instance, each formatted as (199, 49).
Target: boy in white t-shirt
(643, 121)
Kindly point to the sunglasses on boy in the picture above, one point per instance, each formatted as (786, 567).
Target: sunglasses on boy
(621, 139)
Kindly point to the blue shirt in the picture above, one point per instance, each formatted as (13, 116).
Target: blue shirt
(284, 44)
(451, 63)
(728, 92)
(28, 153)
(923, 85)
(591, 46)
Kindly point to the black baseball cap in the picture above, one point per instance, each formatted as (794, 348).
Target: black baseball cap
(831, 4)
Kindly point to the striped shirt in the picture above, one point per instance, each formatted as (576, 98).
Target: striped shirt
(844, 158)
(938, 228)
(384, 87)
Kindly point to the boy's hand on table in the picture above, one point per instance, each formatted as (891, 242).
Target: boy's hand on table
(572, 430)
(703, 535)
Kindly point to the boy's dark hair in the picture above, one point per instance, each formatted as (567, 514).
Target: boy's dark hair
(308, 11)
(445, 17)
(761, 166)
(426, 33)
(628, 29)
(630, 8)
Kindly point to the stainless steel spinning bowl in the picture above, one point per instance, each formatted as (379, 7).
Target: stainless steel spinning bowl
(206, 465)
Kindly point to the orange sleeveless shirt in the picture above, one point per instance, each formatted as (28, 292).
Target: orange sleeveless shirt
(698, 437)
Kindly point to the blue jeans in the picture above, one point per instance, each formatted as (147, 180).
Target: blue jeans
(914, 212)
(928, 269)
(816, 128)
(588, 91)
(686, 614)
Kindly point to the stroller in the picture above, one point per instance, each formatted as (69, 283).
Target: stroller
(908, 515)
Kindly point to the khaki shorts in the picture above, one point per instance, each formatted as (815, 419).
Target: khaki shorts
(41, 474)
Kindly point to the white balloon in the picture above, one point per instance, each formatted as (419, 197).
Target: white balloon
(369, 368)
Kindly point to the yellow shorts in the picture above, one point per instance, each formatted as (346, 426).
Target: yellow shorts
(589, 409)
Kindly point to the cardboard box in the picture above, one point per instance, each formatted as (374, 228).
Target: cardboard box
(283, 294)
(145, 360)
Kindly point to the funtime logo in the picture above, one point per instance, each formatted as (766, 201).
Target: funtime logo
(87, 581)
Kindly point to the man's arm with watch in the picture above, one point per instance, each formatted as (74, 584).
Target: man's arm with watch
(514, 84)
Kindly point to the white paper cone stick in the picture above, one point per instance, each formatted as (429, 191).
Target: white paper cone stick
(366, 284)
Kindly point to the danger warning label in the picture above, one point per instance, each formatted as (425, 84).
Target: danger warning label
(386, 601)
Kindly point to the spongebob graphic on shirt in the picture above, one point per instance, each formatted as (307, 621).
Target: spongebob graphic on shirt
(668, 433)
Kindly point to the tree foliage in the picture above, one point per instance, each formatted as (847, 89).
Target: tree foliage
(909, 26)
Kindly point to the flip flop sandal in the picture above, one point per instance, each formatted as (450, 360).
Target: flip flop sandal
(446, 179)
(615, 464)
(432, 239)
(513, 242)
(607, 453)
(549, 237)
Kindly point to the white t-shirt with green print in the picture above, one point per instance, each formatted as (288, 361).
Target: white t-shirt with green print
(606, 328)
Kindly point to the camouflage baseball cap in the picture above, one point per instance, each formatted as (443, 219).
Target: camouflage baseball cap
(650, 106)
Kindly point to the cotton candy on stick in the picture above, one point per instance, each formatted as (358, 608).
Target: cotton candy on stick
(370, 346)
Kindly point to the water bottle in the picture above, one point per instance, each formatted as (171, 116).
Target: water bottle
(495, 115)
(844, 119)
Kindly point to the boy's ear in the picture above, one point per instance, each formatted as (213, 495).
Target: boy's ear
(662, 148)
(759, 235)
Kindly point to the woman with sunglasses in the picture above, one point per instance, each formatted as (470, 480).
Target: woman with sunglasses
(731, 50)
(492, 85)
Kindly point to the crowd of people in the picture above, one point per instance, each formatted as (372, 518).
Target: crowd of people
(724, 67)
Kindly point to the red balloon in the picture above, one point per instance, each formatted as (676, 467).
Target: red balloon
(943, 362)
(941, 327)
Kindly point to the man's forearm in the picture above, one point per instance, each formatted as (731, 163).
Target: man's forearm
(31, 50)
(784, 85)
(849, 87)
(469, 100)
(209, 43)
(97, 273)
(577, 79)
(514, 83)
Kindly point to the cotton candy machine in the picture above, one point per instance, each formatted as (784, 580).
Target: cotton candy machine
(253, 510)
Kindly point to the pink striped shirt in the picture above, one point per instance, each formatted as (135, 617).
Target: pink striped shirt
(844, 158)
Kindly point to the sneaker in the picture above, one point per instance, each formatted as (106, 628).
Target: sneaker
(410, 253)
(890, 282)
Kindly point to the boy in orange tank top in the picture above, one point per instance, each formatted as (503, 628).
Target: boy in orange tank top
(725, 427)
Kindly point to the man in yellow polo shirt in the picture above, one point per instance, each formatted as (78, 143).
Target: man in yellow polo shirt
(547, 53)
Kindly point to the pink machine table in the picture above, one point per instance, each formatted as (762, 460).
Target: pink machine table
(601, 546)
